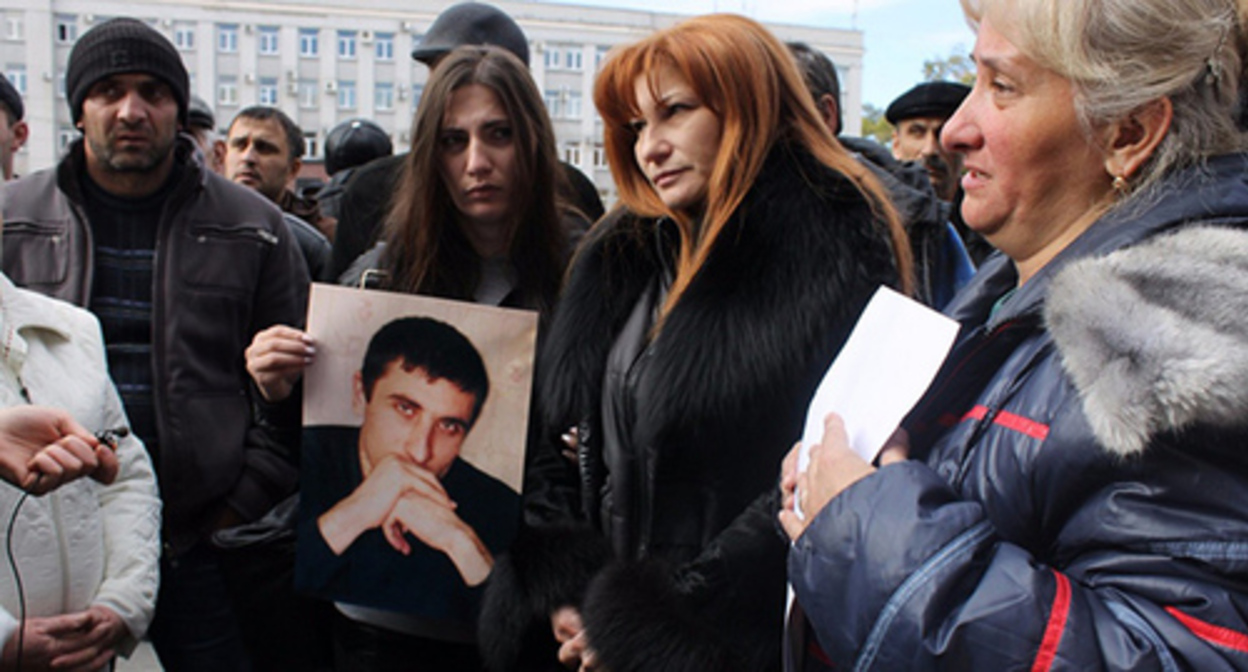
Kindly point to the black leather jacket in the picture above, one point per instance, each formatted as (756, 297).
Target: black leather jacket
(226, 267)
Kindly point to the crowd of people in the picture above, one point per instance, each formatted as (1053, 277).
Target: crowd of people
(1065, 495)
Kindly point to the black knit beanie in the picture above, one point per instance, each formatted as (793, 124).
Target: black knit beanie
(119, 46)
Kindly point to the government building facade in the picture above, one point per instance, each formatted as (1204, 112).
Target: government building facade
(324, 61)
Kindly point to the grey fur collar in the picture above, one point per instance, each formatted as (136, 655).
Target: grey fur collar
(1155, 336)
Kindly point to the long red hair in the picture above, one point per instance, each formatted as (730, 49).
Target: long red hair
(749, 80)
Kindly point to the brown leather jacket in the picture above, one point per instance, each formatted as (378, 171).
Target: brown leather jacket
(226, 267)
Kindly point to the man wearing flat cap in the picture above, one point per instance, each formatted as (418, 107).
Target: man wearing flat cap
(182, 268)
(13, 130)
(918, 116)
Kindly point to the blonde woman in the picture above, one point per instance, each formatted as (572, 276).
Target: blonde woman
(1076, 497)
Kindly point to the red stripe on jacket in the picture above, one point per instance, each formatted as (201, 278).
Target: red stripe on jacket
(1006, 419)
(1057, 625)
(1214, 634)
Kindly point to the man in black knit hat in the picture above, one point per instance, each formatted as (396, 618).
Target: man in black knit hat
(182, 267)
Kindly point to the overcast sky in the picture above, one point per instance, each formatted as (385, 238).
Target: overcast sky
(899, 34)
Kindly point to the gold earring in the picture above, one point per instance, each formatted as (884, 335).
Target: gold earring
(1120, 185)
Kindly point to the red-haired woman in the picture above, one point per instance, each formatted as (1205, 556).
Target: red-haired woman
(695, 325)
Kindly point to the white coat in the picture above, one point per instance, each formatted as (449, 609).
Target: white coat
(83, 544)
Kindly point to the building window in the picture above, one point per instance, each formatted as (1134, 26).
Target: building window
(268, 41)
(599, 156)
(563, 104)
(843, 74)
(66, 28)
(184, 38)
(16, 72)
(309, 42)
(385, 47)
(227, 38)
(346, 44)
(14, 29)
(66, 137)
(563, 57)
(227, 90)
(554, 58)
(311, 146)
(60, 83)
(572, 154)
(307, 93)
(346, 94)
(383, 96)
(552, 103)
(418, 90)
(600, 55)
(268, 91)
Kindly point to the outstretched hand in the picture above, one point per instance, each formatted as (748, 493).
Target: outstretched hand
(43, 448)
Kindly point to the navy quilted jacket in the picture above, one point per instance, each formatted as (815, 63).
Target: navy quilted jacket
(1078, 497)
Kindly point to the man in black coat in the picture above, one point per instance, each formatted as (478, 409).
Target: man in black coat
(941, 262)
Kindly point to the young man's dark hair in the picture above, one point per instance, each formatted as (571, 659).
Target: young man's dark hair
(13, 131)
(436, 347)
(11, 101)
(820, 75)
(295, 144)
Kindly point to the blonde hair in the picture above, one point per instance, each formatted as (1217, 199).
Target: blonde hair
(748, 79)
(1121, 55)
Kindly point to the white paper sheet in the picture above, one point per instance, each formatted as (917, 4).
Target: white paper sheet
(886, 365)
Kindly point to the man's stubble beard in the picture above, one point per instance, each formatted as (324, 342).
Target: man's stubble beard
(130, 162)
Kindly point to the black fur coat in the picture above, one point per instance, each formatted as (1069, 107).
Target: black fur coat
(682, 499)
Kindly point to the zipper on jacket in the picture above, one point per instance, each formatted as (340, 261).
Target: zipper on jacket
(16, 227)
(203, 233)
